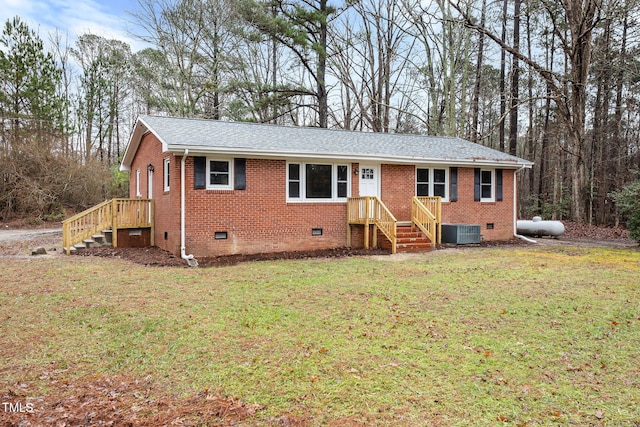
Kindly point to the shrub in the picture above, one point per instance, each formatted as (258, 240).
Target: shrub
(628, 202)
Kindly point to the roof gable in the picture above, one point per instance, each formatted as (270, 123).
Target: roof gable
(201, 136)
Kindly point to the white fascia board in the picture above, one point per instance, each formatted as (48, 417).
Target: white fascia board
(140, 129)
(356, 158)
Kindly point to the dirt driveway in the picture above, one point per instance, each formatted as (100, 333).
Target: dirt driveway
(15, 235)
(20, 241)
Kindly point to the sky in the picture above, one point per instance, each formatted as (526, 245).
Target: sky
(106, 18)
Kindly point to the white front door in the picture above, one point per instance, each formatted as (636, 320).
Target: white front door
(369, 180)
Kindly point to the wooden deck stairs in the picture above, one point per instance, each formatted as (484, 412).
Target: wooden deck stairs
(408, 240)
(421, 234)
(99, 225)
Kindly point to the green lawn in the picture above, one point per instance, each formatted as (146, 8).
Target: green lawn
(511, 336)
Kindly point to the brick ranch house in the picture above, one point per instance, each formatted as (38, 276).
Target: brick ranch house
(223, 188)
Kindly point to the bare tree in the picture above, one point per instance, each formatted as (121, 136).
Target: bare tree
(370, 59)
(579, 18)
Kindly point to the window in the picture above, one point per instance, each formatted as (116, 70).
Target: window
(294, 180)
(317, 182)
(343, 180)
(439, 182)
(219, 175)
(432, 182)
(166, 174)
(367, 173)
(486, 186)
(138, 193)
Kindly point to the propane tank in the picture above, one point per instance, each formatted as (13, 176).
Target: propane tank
(538, 227)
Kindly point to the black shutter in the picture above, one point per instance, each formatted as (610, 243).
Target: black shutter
(453, 184)
(499, 185)
(476, 185)
(199, 172)
(240, 172)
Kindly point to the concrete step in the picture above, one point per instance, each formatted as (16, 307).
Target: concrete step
(99, 239)
(108, 236)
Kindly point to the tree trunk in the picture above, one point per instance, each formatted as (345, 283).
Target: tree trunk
(503, 91)
(515, 82)
(323, 109)
(473, 134)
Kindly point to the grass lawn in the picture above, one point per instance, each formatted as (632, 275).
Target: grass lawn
(526, 336)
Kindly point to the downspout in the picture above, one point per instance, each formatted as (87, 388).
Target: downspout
(183, 250)
(515, 209)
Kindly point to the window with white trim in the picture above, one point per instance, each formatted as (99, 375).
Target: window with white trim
(166, 174)
(317, 181)
(487, 187)
(219, 174)
(343, 181)
(138, 193)
(432, 182)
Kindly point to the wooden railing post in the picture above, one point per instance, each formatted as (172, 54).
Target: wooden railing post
(439, 220)
(366, 222)
(349, 222)
(152, 220)
(66, 237)
(114, 223)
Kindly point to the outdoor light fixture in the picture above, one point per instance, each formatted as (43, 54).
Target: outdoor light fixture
(355, 171)
(150, 167)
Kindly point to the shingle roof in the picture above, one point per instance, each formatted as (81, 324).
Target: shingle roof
(262, 140)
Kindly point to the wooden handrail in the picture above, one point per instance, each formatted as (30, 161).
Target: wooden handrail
(86, 224)
(426, 214)
(108, 215)
(369, 210)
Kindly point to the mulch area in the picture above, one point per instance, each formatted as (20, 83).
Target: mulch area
(156, 257)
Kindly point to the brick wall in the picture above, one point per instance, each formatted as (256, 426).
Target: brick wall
(398, 186)
(259, 219)
(166, 204)
(467, 211)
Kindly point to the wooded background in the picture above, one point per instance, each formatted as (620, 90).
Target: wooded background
(555, 82)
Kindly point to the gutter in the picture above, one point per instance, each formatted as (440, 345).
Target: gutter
(515, 209)
(183, 250)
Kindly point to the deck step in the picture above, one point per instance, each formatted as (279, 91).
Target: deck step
(414, 247)
(408, 240)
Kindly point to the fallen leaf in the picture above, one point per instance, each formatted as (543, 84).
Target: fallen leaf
(599, 415)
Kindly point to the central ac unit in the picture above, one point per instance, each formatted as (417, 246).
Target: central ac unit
(461, 234)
